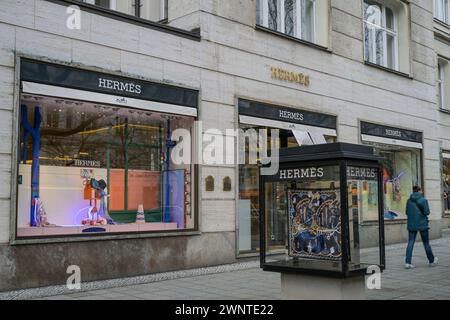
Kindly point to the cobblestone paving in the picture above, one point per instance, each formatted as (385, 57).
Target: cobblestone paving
(422, 282)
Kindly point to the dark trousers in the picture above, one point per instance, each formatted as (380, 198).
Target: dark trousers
(426, 244)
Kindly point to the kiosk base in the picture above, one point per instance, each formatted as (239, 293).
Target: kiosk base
(308, 287)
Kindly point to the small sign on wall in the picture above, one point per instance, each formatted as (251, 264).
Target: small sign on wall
(209, 183)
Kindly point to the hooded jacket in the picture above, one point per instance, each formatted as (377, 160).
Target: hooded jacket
(417, 211)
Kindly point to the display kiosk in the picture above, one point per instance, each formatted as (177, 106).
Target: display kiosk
(323, 192)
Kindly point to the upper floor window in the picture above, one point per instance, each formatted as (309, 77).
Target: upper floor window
(295, 18)
(442, 83)
(380, 35)
(441, 10)
(153, 10)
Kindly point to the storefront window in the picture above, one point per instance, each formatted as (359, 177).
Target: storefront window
(401, 171)
(446, 182)
(249, 201)
(94, 168)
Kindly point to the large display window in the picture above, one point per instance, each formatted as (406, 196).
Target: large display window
(401, 171)
(249, 201)
(401, 150)
(89, 168)
(446, 181)
(296, 127)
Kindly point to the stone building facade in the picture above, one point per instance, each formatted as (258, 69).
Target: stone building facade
(225, 54)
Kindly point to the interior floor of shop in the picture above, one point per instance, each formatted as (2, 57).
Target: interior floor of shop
(422, 283)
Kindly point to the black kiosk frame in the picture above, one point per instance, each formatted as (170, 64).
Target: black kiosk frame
(321, 210)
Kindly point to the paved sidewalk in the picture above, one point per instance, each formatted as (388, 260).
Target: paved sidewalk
(421, 283)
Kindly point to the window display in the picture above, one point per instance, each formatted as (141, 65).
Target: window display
(97, 168)
(401, 150)
(446, 181)
(255, 116)
(249, 198)
(401, 171)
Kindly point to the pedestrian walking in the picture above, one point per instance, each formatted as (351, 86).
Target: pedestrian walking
(417, 211)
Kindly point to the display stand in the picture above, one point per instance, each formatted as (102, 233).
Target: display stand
(324, 192)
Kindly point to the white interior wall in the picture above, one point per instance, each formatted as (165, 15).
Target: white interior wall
(60, 189)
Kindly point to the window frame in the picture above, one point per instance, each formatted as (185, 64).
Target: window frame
(281, 27)
(444, 158)
(137, 5)
(16, 240)
(441, 84)
(386, 31)
(112, 4)
(443, 15)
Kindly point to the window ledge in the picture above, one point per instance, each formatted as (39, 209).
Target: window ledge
(192, 35)
(374, 65)
(442, 23)
(444, 110)
(283, 35)
(102, 237)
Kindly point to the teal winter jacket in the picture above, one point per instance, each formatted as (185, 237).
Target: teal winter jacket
(417, 210)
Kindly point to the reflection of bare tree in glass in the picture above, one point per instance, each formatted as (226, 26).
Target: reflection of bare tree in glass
(289, 17)
(373, 33)
(60, 143)
(273, 14)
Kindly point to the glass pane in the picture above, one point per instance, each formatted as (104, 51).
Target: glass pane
(276, 226)
(259, 14)
(401, 171)
(441, 9)
(153, 10)
(441, 85)
(248, 208)
(289, 17)
(314, 216)
(390, 47)
(390, 19)
(372, 13)
(99, 169)
(445, 11)
(249, 201)
(438, 9)
(273, 14)
(308, 20)
(373, 44)
(103, 3)
(446, 182)
(362, 188)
